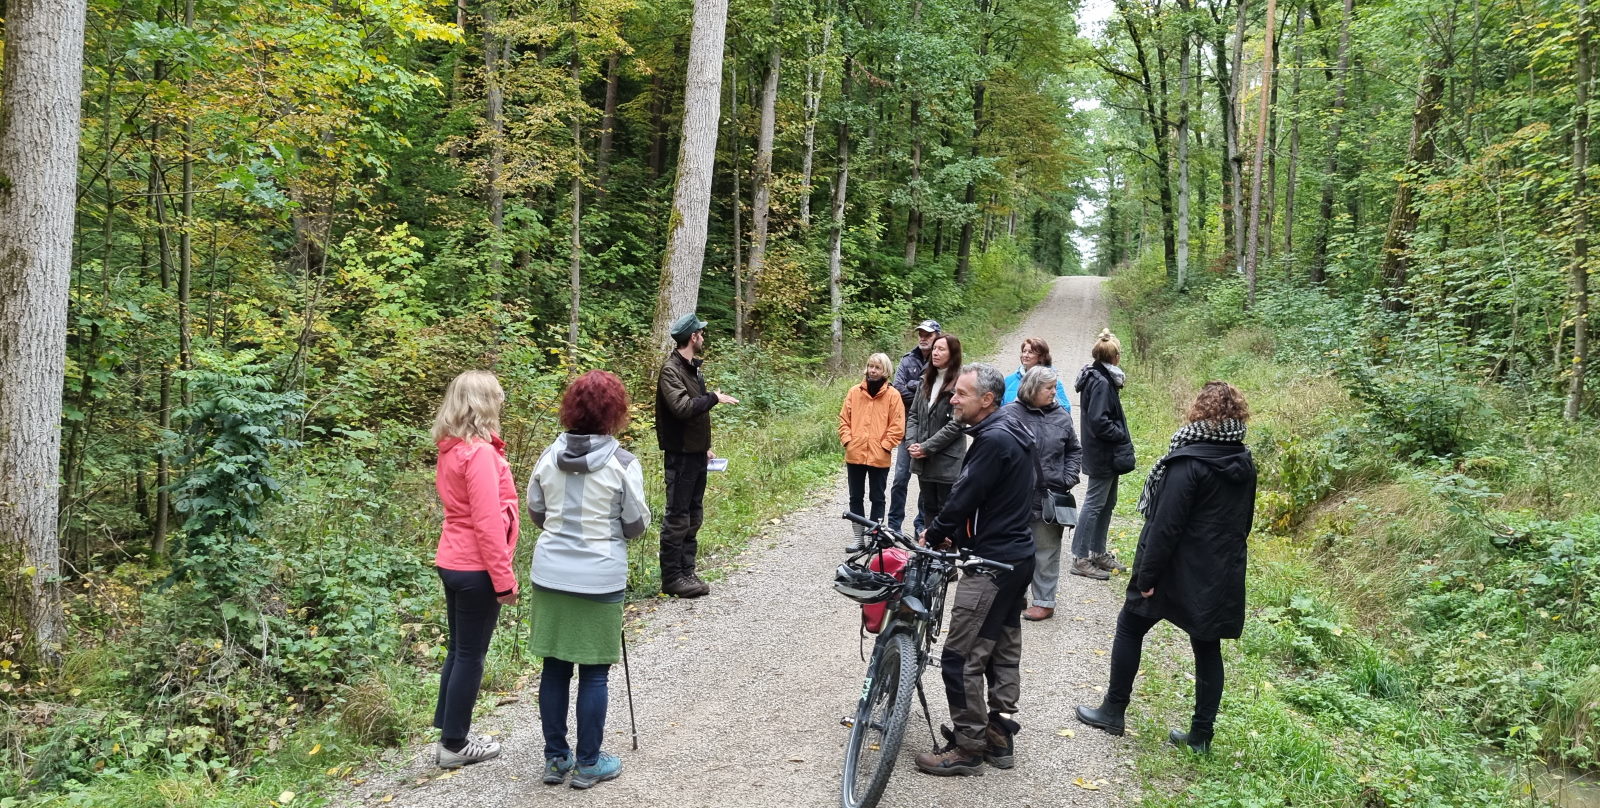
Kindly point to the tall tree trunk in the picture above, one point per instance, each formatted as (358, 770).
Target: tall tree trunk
(836, 234)
(185, 235)
(158, 205)
(914, 215)
(1235, 151)
(737, 203)
(979, 88)
(1153, 94)
(816, 73)
(1580, 215)
(658, 125)
(1319, 250)
(575, 244)
(1181, 279)
(1291, 180)
(39, 116)
(697, 153)
(1393, 264)
(761, 193)
(494, 116)
(1253, 240)
(608, 128)
(1270, 198)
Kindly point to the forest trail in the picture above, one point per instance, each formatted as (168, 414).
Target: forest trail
(739, 695)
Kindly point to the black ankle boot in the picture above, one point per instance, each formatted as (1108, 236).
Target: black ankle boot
(1195, 740)
(1107, 716)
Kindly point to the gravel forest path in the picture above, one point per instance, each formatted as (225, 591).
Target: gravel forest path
(739, 695)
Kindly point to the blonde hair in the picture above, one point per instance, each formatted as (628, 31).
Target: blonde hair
(881, 361)
(1106, 347)
(471, 407)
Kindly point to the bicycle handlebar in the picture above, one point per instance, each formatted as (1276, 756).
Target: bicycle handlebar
(961, 559)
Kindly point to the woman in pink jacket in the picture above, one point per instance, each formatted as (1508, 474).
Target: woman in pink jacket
(475, 549)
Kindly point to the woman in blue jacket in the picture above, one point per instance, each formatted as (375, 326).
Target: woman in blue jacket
(1035, 352)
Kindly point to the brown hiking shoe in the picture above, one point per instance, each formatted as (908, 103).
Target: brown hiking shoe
(950, 763)
(1108, 562)
(1037, 613)
(1086, 568)
(686, 588)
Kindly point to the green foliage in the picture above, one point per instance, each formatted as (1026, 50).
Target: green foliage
(1408, 609)
(236, 422)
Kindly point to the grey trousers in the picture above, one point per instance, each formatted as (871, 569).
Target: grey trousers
(1046, 562)
(1094, 518)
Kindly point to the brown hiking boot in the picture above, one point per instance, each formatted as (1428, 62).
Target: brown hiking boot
(686, 587)
(1000, 737)
(1108, 562)
(1037, 613)
(1086, 568)
(952, 762)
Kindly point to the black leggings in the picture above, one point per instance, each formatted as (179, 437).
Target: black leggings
(1125, 652)
(866, 485)
(471, 609)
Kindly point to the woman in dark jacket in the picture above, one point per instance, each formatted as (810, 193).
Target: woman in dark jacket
(1055, 445)
(1107, 454)
(937, 441)
(1198, 503)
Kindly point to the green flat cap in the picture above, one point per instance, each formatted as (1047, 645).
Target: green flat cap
(686, 325)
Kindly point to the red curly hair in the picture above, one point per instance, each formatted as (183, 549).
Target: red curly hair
(595, 403)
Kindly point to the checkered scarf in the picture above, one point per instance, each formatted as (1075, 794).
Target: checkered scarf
(1227, 430)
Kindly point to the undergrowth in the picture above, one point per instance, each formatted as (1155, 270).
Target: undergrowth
(1423, 594)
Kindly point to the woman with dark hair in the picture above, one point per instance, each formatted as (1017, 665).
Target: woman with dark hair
(1035, 353)
(1198, 504)
(476, 543)
(937, 442)
(587, 494)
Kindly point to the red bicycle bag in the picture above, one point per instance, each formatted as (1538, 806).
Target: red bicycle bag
(892, 561)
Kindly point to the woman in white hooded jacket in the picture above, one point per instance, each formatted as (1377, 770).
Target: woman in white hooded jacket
(587, 494)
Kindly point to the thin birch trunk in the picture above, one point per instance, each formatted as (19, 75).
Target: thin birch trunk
(816, 74)
(1253, 240)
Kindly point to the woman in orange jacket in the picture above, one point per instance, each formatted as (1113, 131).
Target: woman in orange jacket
(871, 424)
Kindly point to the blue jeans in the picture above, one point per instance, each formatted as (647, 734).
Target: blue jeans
(1094, 518)
(897, 492)
(555, 693)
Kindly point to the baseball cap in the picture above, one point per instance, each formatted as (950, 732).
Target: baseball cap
(930, 326)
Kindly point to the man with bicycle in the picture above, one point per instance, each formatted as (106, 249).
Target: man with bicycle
(987, 514)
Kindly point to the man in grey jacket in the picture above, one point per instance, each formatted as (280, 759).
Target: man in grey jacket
(908, 379)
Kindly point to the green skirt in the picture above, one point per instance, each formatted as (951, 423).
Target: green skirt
(574, 628)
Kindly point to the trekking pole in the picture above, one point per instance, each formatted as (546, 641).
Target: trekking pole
(627, 677)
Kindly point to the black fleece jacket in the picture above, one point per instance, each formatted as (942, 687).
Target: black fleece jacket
(989, 508)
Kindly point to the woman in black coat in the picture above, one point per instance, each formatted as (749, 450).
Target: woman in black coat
(1189, 568)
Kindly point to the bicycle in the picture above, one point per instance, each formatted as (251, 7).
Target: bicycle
(912, 621)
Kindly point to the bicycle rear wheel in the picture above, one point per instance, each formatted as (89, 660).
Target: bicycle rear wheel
(880, 722)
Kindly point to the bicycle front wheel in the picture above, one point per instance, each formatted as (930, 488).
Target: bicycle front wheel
(880, 722)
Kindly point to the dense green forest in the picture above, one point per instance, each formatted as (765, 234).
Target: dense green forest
(291, 222)
(294, 222)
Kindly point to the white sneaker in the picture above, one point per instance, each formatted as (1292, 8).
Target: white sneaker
(477, 750)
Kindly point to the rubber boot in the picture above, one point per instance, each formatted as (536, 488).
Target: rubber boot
(1107, 716)
(1197, 739)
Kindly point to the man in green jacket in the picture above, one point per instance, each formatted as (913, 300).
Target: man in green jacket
(683, 431)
